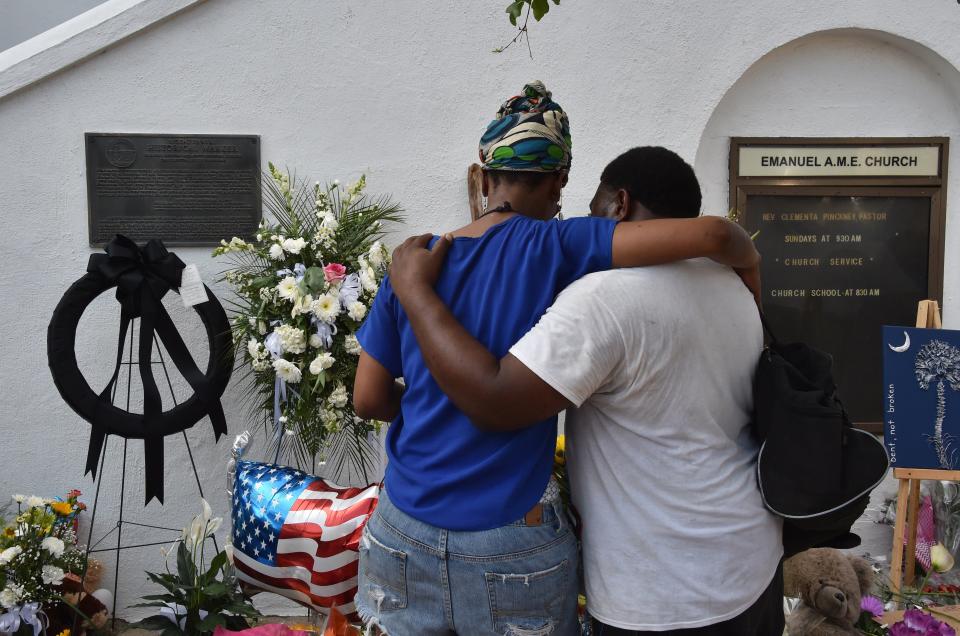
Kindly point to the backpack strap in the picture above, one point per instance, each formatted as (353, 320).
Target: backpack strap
(766, 327)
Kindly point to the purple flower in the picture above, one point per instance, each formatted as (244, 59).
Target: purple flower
(871, 604)
(917, 623)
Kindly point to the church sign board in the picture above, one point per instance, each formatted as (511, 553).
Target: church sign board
(851, 235)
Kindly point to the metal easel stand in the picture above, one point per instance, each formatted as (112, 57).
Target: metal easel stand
(121, 522)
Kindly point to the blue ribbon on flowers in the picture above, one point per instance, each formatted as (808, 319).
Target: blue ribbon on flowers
(29, 614)
(325, 330)
(279, 395)
(299, 271)
(350, 290)
(275, 348)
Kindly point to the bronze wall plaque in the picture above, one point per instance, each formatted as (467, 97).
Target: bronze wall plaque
(845, 251)
(182, 189)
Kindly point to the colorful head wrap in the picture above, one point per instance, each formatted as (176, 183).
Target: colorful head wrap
(531, 133)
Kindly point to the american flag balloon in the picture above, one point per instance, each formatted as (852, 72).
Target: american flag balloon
(297, 535)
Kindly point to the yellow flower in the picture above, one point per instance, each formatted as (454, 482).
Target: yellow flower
(62, 508)
(65, 632)
(9, 532)
(560, 455)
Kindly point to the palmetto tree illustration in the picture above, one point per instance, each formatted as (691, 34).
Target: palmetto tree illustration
(938, 362)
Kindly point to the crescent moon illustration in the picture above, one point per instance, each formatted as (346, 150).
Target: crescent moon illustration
(904, 346)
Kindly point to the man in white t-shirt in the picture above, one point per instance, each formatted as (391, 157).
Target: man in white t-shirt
(659, 364)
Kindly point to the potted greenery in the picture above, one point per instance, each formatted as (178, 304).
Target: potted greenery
(197, 601)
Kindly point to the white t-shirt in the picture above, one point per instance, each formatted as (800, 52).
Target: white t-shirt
(660, 362)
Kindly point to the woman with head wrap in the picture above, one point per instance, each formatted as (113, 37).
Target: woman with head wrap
(470, 536)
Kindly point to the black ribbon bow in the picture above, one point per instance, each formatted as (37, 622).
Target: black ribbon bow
(143, 276)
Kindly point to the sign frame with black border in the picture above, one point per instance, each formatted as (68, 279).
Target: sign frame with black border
(932, 187)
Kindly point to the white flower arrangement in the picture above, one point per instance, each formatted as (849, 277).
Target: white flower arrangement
(38, 547)
(304, 285)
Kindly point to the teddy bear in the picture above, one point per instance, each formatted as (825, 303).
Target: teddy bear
(829, 585)
(93, 609)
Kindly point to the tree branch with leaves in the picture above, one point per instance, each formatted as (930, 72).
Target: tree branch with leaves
(525, 8)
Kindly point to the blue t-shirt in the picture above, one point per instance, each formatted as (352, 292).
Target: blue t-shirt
(443, 470)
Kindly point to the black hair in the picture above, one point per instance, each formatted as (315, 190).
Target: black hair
(656, 178)
(526, 178)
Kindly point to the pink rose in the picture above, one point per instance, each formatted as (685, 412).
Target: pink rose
(334, 272)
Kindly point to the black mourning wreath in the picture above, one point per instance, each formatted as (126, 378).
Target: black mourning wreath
(142, 276)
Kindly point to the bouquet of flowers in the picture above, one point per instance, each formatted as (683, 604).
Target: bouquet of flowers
(303, 287)
(38, 547)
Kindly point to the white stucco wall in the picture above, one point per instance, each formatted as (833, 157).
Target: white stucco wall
(846, 83)
(401, 90)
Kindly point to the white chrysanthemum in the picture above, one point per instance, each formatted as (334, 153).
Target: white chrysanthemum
(292, 339)
(53, 545)
(288, 289)
(368, 279)
(378, 254)
(330, 222)
(301, 306)
(19, 498)
(315, 341)
(321, 363)
(10, 596)
(34, 502)
(276, 252)
(51, 575)
(10, 554)
(254, 348)
(357, 310)
(294, 245)
(326, 307)
(286, 370)
(352, 345)
(338, 397)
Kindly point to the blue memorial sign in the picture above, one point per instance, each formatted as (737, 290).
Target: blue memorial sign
(921, 397)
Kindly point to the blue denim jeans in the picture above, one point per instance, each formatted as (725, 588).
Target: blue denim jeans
(516, 580)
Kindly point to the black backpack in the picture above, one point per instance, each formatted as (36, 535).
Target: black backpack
(814, 469)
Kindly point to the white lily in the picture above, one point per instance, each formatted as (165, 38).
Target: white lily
(202, 526)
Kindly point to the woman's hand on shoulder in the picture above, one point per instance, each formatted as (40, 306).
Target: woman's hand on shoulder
(415, 267)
